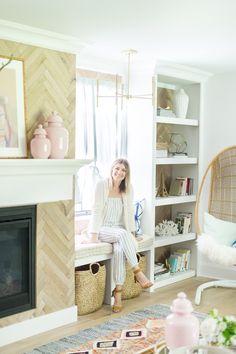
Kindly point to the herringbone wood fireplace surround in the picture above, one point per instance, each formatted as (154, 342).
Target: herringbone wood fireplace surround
(49, 85)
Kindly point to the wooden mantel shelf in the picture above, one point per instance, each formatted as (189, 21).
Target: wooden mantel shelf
(33, 181)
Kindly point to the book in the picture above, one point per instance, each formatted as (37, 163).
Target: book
(165, 112)
(160, 271)
(190, 186)
(161, 146)
(175, 188)
(181, 261)
(161, 153)
(173, 263)
(178, 186)
(162, 276)
(184, 222)
(186, 254)
(181, 186)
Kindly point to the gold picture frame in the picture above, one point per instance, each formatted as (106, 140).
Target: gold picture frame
(12, 108)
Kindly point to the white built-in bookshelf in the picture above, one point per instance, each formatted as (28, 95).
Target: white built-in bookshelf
(146, 167)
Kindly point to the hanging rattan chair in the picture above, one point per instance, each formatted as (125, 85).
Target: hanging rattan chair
(219, 187)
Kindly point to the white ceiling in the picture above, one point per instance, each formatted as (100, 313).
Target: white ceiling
(199, 33)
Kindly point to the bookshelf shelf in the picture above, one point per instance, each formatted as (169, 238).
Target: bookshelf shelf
(174, 278)
(160, 201)
(176, 160)
(161, 241)
(177, 121)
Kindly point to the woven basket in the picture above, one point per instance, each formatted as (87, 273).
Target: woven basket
(90, 281)
(131, 288)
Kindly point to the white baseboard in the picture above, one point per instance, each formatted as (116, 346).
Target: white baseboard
(18, 331)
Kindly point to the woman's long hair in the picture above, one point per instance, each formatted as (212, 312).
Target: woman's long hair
(124, 186)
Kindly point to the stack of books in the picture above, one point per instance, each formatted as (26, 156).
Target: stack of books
(163, 112)
(179, 261)
(161, 150)
(160, 271)
(184, 222)
(161, 153)
(181, 186)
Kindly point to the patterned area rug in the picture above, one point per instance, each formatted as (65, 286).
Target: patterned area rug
(105, 329)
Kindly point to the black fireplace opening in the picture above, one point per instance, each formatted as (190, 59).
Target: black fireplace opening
(17, 259)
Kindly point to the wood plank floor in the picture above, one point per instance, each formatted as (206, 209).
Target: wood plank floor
(221, 298)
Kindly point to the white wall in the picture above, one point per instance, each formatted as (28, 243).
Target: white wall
(220, 115)
(99, 64)
(218, 132)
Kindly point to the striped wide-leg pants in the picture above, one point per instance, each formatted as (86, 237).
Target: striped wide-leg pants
(123, 248)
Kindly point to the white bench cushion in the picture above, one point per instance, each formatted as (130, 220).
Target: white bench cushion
(83, 250)
(92, 249)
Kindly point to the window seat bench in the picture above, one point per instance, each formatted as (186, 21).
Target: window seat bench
(102, 252)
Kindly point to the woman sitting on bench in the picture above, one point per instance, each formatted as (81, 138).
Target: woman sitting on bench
(112, 221)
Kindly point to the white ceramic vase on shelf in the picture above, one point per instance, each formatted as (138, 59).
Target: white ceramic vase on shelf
(181, 103)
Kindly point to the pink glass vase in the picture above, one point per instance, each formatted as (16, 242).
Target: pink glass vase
(58, 136)
(182, 327)
(40, 146)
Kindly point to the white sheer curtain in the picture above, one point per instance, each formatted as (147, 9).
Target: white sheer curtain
(101, 133)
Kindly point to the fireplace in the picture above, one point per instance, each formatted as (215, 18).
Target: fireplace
(51, 304)
(17, 259)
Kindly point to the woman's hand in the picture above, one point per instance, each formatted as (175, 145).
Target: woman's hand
(93, 237)
(137, 237)
(90, 238)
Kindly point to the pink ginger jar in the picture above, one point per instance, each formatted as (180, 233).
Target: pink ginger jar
(40, 146)
(182, 327)
(58, 136)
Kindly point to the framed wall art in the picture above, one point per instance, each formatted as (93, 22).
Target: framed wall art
(12, 108)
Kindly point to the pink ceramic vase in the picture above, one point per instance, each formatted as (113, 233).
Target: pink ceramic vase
(58, 136)
(40, 146)
(182, 327)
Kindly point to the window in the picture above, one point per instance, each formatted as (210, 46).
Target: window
(101, 129)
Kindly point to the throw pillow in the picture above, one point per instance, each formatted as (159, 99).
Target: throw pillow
(223, 232)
